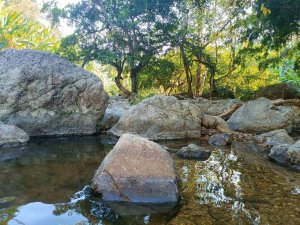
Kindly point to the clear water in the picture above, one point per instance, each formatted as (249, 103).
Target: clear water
(46, 183)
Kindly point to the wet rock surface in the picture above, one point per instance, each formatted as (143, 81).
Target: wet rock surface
(46, 95)
(137, 170)
(11, 135)
(274, 138)
(288, 155)
(193, 151)
(220, 140)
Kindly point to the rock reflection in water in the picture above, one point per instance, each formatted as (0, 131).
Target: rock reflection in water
(49, 170)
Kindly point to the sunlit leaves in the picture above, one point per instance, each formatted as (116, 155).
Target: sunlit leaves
(265, 11)
(18, 31)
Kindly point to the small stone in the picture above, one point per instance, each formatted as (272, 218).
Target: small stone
(194, 151)
(220, 140)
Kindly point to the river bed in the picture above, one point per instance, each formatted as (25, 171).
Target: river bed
(47, 183)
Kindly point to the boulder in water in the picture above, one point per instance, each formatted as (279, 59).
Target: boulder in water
(220, 140)
(137, 170)
(288, 155)
(274, 138)
(194, 151)
(46, 95)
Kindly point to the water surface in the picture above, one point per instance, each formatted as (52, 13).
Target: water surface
(47, 184)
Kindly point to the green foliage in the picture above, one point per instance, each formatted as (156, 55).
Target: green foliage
(165, 74)
(177, 46)
(277, 21)
(18, 31)
(119, 33)
(288, 73)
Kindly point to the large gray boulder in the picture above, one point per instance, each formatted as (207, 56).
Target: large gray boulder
(46, 95)
(136, 170)
(161, 118)
(11, 135)
(261, 116)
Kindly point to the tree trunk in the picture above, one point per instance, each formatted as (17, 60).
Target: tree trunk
(212, 84)
(187, 72)
(134, 81)
(121, 87)
(200, 79)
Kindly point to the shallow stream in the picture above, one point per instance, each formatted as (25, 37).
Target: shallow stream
(46, 183)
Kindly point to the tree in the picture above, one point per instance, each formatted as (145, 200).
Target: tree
(124, 34)
(19, 31)
(206, 24)
(28, 8)
(276, 22)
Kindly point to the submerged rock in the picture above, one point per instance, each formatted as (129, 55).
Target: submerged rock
(46, 95)
(136, 170)
(274, 138)
(193, 151)
(161, 118)
(138, 209)
(116, 108)
(288, 155)
(11, 135)
(260, 116)
(220, 140)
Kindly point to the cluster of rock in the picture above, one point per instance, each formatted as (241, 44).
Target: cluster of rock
(168, 118)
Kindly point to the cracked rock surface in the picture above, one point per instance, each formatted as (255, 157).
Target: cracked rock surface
(46, 95)
(137, 170)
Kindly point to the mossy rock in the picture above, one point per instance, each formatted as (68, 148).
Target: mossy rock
(286, 90)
